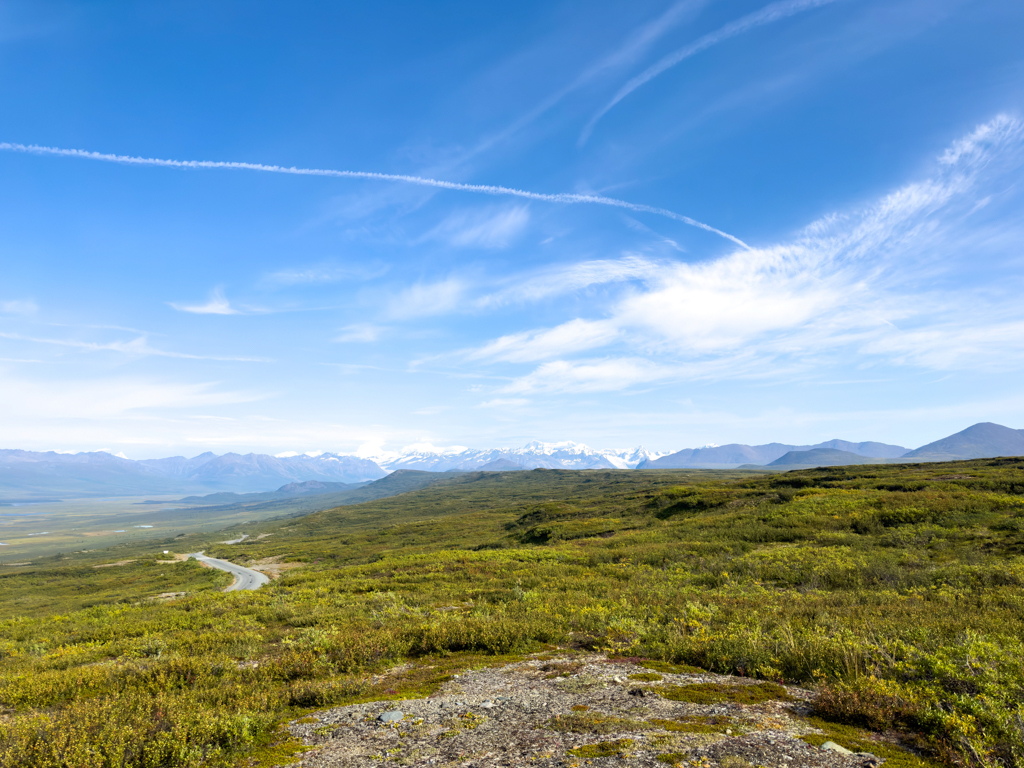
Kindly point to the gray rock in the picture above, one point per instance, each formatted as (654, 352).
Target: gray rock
(390, 717)
(487, 704)
(833, 747)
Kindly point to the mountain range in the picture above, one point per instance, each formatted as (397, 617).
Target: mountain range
(30, 474)
(535, 455)
(735, 454)
(981, 441)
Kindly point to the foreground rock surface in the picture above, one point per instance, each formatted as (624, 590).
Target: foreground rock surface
(571, 712)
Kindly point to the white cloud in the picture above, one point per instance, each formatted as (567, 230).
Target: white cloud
(505, 402)
(455, 294)
(879, 284)
(488, 228)
(107, 397)
(22, 307)
(360, 332)
(977, 147)
(325, 273)
(426, 299)
(573, 336)
(428, 447)
(217, 305)
(727, 303)
(608, 375)
(136, 347)
(950, 346)
(562, 279)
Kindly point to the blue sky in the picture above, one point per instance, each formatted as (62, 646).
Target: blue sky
(667, 223)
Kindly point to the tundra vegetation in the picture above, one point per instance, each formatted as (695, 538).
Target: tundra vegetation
(895, 592)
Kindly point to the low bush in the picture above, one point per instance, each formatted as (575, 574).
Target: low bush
(896, 594)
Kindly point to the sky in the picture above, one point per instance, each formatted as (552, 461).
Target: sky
(353, 227)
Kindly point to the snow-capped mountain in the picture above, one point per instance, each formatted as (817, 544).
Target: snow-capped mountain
(629, 459)
(561, 455)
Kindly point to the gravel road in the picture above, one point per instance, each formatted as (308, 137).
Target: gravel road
(245, 578)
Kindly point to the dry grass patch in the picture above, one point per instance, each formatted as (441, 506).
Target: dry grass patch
(594, 722)
(558, 669)
(617, 748)
(647, 677)
(697, 724)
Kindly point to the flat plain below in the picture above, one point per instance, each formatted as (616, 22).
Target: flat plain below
(40, 529)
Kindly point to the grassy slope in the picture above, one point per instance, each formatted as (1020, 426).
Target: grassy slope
(895, 589)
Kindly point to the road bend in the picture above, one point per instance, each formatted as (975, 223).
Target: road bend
(245, 578)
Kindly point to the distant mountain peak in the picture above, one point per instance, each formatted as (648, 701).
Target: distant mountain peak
(564, 454)
(979, 441)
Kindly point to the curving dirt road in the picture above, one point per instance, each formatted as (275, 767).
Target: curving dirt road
(245, 578)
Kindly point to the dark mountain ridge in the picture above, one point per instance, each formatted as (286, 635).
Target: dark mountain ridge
(97, 473)
(735, 454)
(822, 457)
(309, 487)
(980, 441)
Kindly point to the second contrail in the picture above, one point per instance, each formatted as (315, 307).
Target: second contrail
(486, 189)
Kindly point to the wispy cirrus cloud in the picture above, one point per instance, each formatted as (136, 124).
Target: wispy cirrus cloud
(566, 278)
(217, 305)
(604, 375)
(462, 295)
(767, 15)
(505, 402)
(138, 347)
(574, 336)
(18, 307)
(635, 45)
(878, 283)
(481, 229)
(950, 346)
(109, 397)
(325, 273)
(359, 332)
(428, 299)
(563, 198)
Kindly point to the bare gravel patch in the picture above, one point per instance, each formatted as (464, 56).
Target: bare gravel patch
(572, 711)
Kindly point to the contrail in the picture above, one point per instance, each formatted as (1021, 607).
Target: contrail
(486, 189)
(766, 15)
(636, 45)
